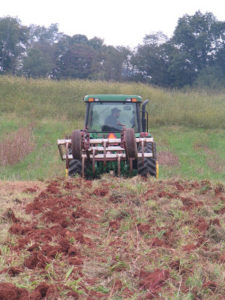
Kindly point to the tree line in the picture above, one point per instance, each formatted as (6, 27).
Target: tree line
(193, 56)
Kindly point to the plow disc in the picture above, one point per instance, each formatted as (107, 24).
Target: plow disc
(89, 151)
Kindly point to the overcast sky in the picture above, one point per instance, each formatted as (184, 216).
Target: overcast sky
(118, 22)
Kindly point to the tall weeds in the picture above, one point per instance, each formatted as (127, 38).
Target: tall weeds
(15, 146)
(62, 100)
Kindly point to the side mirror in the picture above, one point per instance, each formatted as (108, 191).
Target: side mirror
(144, 119)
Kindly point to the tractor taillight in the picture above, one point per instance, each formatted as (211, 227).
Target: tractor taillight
(144, 134)
(111, 136)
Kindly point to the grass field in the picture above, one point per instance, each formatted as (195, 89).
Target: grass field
(112, 238)
(189, 127)
(62, 100)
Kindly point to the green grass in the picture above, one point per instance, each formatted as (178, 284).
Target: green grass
(7, 125)
(190, 124)
(199, 151)
(199, 157)
(44, 161)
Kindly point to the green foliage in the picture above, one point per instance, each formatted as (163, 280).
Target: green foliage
(77, 62)
(193, 56)
(197, 43)
(102, 289)
(13, 40)
(151, 60)
(39, 62)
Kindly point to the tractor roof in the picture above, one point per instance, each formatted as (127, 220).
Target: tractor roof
(112, 97)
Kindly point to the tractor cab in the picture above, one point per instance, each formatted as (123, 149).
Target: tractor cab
(112, 113)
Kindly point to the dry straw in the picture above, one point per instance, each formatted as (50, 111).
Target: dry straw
(15, 146)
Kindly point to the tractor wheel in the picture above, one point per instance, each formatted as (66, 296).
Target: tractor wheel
(74, 167)
(130, 143)
(150, 164)
(76, 144)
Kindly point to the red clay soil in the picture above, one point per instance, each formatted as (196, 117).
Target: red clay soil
(153, 281)
(101, 192)
(144, 228)
(44, 291)
(12, 271)
(75, 228)
(10, 292)
(58, 213)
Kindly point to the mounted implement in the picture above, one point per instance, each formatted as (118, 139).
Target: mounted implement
(115, 139)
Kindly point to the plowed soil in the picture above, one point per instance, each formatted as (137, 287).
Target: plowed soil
(113, 239)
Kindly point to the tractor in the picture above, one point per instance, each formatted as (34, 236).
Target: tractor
(115, 139)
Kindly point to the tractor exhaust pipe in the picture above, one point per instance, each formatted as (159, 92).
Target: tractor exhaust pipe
(144, 121)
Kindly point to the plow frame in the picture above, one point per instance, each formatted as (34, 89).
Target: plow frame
(103, 149)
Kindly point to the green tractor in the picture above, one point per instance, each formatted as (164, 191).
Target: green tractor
(115, 139)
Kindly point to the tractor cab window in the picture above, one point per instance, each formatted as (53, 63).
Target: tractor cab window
(112, 116)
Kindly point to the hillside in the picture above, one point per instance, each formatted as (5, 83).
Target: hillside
(112, 239)
(62, 101)
(189, 127)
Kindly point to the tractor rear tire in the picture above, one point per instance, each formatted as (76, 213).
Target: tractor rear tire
(76, 144)
(74, 167)
(150, 164)
(130, 143)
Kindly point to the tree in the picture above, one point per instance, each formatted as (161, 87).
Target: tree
(39, 62)
(220, 59)
(96, 43)
(42, 34)
(114, 63)
(151, 60)
(198, 39)
(77, 61)
(40, 57)
(13, 42)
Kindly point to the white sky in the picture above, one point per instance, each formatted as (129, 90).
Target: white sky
(118, 22)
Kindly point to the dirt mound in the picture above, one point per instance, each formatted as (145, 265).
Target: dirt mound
(153, 281)
(10, 292)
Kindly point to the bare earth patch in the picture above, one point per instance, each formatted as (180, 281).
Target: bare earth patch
(167, 158)
(14, 187)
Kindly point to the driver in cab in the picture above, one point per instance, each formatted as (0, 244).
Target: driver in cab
(113, 119)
